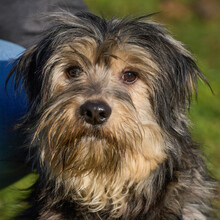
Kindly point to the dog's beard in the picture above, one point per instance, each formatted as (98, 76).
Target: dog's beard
(70, 145)
(96, 165)
(88, 163)
(79, 150)
(86, 151)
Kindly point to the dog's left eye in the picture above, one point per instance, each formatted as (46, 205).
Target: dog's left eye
(74, 71)
(129, 77)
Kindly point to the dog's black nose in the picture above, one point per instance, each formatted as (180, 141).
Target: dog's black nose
(95, 112)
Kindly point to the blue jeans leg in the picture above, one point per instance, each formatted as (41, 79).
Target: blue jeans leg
(12, 108)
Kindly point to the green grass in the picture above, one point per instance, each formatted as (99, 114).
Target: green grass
(203, 38)
(122, 8)
(10, 197)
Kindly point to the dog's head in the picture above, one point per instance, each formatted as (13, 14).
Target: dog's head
(103, 98)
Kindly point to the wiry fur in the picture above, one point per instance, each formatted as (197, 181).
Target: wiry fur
(141, 163)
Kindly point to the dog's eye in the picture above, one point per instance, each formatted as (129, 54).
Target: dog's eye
(74, 71)
(129, 77)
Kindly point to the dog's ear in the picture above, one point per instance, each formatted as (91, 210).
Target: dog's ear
(177, 80)
(27, 71)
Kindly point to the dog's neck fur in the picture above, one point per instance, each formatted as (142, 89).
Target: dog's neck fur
(152, 198)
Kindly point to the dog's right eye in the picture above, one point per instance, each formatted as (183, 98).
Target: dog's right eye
(74, 71)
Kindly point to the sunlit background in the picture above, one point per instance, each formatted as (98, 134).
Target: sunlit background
(197, 24)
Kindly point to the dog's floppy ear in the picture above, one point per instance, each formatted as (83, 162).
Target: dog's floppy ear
(177, 80)
(27, 71)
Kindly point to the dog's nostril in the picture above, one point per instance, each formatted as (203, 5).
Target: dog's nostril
(102, 114)
(88, 113)
(95, 112)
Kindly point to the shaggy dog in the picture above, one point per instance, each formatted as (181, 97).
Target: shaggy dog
(107, 125)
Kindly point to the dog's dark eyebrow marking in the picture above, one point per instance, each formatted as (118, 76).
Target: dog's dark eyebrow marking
(84, 59)
(111, 55)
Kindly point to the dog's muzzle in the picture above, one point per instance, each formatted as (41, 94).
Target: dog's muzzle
(95, 112)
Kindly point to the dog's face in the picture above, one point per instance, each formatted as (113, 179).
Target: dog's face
(104, 97)
(98, 115)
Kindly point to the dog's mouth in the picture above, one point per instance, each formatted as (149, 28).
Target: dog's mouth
(93, 134)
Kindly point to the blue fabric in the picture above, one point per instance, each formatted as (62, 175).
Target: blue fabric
(12, 107)
(9, 50)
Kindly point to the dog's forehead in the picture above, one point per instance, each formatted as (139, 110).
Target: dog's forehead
(110, 53)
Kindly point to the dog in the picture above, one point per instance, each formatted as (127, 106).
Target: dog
(107, 126)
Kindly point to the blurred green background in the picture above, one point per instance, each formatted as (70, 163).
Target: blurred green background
(197, 24)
